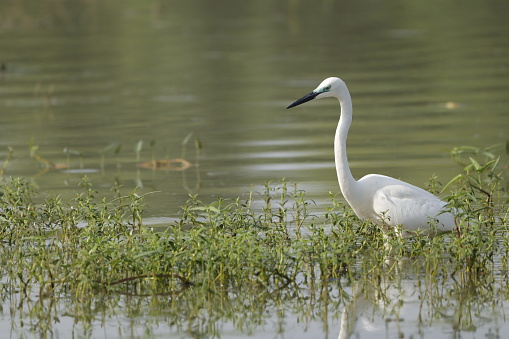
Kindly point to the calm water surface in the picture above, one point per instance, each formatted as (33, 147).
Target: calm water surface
(82, 76)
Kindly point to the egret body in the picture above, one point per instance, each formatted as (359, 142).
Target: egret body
(381, 199)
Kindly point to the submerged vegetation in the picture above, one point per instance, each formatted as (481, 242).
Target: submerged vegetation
(243, 260)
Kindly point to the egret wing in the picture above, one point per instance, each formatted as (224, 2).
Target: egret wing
(406, 205)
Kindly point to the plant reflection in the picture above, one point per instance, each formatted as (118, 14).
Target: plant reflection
(247, 265)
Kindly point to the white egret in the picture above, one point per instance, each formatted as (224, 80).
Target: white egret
(383, 200)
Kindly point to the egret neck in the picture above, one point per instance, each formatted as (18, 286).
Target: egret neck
(345, 178)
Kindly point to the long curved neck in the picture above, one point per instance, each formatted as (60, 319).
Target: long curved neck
(345, 178)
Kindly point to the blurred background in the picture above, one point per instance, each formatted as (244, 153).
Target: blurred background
(94, 88)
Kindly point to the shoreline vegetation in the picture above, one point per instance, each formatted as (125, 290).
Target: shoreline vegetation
(241, 260)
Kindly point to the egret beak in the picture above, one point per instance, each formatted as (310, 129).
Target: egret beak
(305, 98)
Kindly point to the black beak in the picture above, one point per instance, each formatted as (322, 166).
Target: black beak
(305, 98)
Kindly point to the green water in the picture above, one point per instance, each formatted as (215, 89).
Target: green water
(424, 76)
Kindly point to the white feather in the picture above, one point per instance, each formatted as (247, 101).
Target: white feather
(381, 199)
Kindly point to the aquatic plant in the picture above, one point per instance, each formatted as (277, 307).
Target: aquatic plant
(235, 259)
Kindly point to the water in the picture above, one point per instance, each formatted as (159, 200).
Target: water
(424, 77)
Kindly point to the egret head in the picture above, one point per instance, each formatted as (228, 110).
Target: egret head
(328, 88)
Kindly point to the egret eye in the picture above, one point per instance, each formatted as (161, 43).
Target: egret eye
(328, 88)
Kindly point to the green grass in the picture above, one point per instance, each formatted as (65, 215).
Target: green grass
(235, 259)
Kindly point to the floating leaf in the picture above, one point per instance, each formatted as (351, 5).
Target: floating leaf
(452, 105)
(169, 165)
(59, 165)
